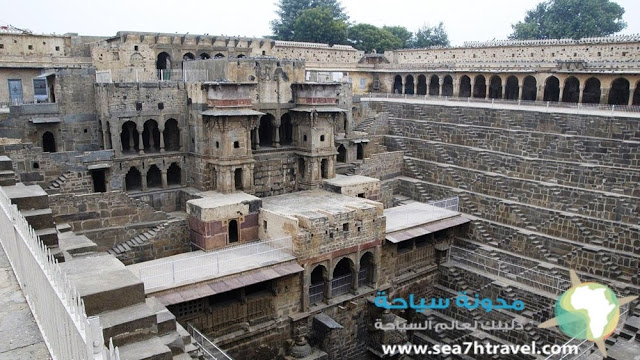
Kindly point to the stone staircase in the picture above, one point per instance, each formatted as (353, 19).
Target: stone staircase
(54, 186)
(7, 175)
(138, 241)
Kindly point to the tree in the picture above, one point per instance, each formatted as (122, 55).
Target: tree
(428, 36)
(367, 37)
(289, 11)
(319, 25)
(401, 33)
(575, 19)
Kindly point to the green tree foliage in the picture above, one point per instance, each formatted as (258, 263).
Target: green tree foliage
(575, 19)
(428, 36)
(401, 33)
(289, 11)
(368, 37)
(319, 25)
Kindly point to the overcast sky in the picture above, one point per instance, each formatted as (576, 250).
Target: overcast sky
(464, 20)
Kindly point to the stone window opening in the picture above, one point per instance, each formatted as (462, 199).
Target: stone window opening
(265, 131)
(397, 85)
(465, 86)
(154, 177)
(552, 89)
(204, 56)
(171, 135)
(237, 176)
(133, 180)
(236, 144)
(408, 87)
(324, 169)
(495, 87)
(619, 93)
(422, 85)
(36, 165)
(151, 136)
(342, 278)
(345, 227)
(359, 151)
(342, 154)
(217, 144)
(434, 85)
(367, 270)
(48, 142)
(511, 90)
(317, 285)
(301, 168)
(57, 48)
(99, 181)
(571, 91)
(304, 138)
(530, 89)
(321, 137)
(233, 231)
(480, 87)
(286, 130)
(591, 92)
(174, 174)
(163, 65)
(447, 86)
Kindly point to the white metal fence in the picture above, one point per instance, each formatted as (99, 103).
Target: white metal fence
(449, 204)
(209, 350)
(54, 302)
(504, 103)
(215, 263)
(133, 75)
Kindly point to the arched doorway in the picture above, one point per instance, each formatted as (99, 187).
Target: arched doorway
(204, 56)
(218, 56)
(48, 142)
(480, 87)
(301, 168)
(359, 151)
(422, 85)
(552, 89)
(571, 92)
(408, 86)
(512, 89)
(133, 180)
(317, 284)
(619, 92)
(154, 177)
(530, 89)
(174, 174)
(286, 130)
(342, 277)
(397, 85)
(151, 136)
(342, 154)
(129, 137)
(163, 64)
(447, 86)
(465, 86)
(495, 87)
(434, 85)
(365, 274)
(237, 178)
(265, 131)
(233, 231)
(324, 169)
(188, 57)
(171, 135)
(591, 93)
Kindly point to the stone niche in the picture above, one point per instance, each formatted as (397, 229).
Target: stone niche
(219, 220)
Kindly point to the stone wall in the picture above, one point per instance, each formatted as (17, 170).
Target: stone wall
(274, 174)
(171, 238)
(382, 166)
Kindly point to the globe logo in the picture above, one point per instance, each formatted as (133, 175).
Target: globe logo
(587, 311)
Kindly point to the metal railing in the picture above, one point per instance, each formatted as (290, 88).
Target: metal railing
(316, 293)
(363, 277)
(449, 204)
(209, 350)
(341, 285)
(520, 274)
(134, 75)
(504, 103)
(215, 263)
(54, 302)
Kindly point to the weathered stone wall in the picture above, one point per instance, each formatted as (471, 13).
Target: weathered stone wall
(275, 174)
(382, 166)
(171, 238)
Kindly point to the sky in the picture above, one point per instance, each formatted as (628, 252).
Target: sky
(464, 20)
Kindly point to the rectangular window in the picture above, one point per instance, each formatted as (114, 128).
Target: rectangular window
(40, 90)
(363, 83)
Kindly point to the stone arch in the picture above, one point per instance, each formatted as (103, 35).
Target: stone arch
(571, 92)
(317, 279)
(204, 56)
(218, 56)
(552, 89)
(154, 177)
(480, 87)
(619, 92)
(241, 56)
(233, 233)
(512, 88)
(171, 134)
(188, 57)
(422, 85)
(237, 178)
(636, 95)
(174, 174)
(408, 85)
(592, 91)
(465, 86)
(434, 85)
(447, 86)
(342, 154)
(286, 130)
(163, 61)
(495, 87)
(48, 142)
(342, 276)
(367, 269)
(133, 179)
(359, 151)
(265, 131)
(397, 85)
(530, 89)
(151, 135)
(129, 137)
(324, 168)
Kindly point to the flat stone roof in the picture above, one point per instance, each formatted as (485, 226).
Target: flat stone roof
(415, 214)
(311, 203)
(212, 199)
(344, 180)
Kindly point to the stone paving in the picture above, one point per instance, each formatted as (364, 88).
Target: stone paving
(20, 337)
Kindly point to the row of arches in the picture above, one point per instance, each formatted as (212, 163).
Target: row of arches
(345, 277)
(149, 137)
(163, 60)
(154, 178)
(272, 134)
(510, 88)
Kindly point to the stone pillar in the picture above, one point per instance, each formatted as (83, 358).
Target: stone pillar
(403, 84)
(520, 92)
(161, 139)
(456, 89)
(331, 168)
(143, 174)
(132, 142)
(328, 287)
(164, 179)
(276, 143)
(504, 89)
(140, 142)
(486, 96)
(561, 94)
(473, 85)
(415, 85)
(256, 138)
(581, 94)
(631, 93)
(440, 85)
(355, 278)
(428, 85)
(604, 95)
